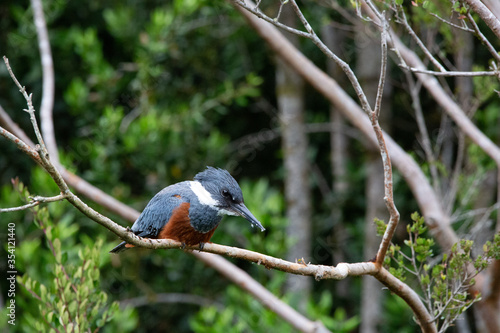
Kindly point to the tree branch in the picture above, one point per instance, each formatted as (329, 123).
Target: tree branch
(436, 218)
(35, 201)
(495, 72)
(48, 80)
(373, 115)
(483, 39)
(80, 185)
(318, 271)
(423, 317)
(486, 15)
(285, 48)
(494, 6)
(440, 95)
(268, 299)
(28, 98)
(236, 275)
(386, 160)
(403, 21)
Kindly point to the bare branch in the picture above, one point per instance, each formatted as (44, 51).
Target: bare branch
(394, 219)
(319, 80)
(237, 275)
(35, 201)
(254, 9)
(414, 89)
(246, 4)
(388, 184)
(366, 107)
(424, 318)
(268, 299)
(48, 80)
(27, 97)
(483, 39)
(451, 24)
(402, 20)
(437, 220)
(383, 67)
(442, 98)
(486, 15)
(318, 271)
(495, 72)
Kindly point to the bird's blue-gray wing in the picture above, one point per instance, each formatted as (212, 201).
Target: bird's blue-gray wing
(159, 210)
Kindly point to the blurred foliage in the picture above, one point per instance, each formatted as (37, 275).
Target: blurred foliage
(148, 93)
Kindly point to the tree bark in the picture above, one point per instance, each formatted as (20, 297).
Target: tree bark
(289, 92)
(334, 39)
(368, 71)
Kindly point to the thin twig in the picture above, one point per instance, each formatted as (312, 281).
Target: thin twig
(31, 109)
(388, 183)
(277, 18)
(443, 99)
(403, 20)
(465, 28)
(456, 175)
(35, 201)
(450, 73)
(483, 39)
(383, 67)
(414, 89)
(342, 64)
(257, 12)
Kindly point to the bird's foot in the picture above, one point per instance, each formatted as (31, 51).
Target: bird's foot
(201, 245)
(183, 246)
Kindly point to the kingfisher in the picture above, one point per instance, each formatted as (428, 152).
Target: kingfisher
(190, 211)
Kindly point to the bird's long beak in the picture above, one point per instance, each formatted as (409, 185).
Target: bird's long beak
(243, 211)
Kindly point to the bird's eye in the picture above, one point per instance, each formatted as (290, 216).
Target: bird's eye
(225, 193)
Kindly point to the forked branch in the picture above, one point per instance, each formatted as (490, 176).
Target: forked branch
(341, 271)
(372, 113)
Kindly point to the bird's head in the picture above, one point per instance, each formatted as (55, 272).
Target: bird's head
(217, 188)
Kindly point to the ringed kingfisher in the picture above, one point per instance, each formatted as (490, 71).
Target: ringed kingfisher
(190, 211)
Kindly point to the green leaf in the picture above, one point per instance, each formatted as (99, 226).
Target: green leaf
(57, 249)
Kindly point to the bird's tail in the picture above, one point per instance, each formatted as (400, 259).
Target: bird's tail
(120, 247)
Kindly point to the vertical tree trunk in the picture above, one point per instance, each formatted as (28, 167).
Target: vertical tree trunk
(289, 92)
(368, 71)
(334, 39)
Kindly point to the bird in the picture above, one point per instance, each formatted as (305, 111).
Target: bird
(190, 211)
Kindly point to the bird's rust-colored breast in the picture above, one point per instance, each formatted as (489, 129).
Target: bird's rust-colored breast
(179, 228)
